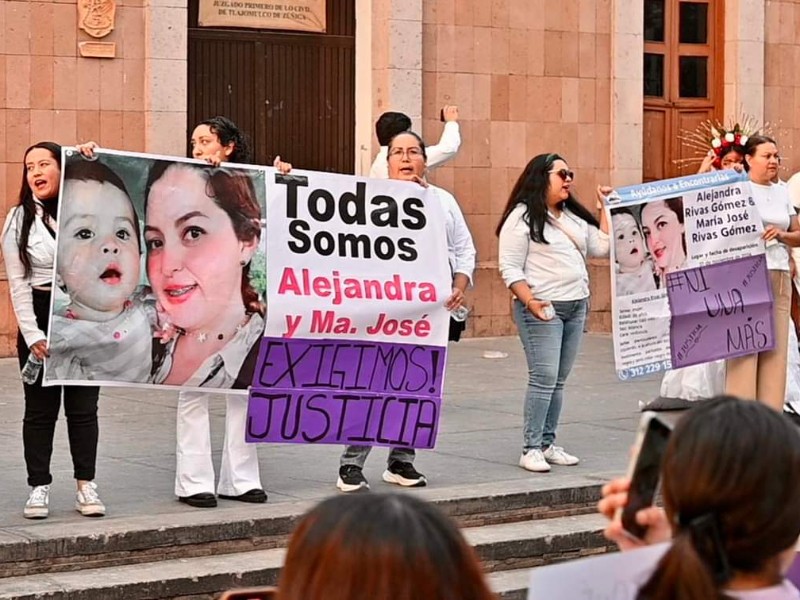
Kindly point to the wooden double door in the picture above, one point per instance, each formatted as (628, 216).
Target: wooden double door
(682, 79)
(292, 93)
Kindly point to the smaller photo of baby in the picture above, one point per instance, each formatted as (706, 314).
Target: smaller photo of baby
(634, 268)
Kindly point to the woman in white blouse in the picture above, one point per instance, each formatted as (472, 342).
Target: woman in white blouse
(407, 162)
(545, 235)
(29, 252)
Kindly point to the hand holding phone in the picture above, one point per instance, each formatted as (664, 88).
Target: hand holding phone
(644, 471)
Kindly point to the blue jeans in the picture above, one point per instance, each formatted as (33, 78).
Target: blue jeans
(550, 348)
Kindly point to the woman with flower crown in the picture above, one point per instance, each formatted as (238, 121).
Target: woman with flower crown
(707, 380)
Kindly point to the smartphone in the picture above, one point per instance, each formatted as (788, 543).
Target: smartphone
(644, 470)
(264, 593)
(441, 115)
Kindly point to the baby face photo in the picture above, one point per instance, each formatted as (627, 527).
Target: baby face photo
(649, 242)
(160, 273)
(634, 271)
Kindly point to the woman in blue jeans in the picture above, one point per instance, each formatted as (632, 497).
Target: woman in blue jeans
(545, 236)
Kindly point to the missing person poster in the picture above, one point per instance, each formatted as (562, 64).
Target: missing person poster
(689, 277)
(159, 273)
(356, 335)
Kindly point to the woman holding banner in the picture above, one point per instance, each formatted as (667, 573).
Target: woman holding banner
(217, 140)
(29, 251)
(545, 235)
(762, 376)
(407, 162)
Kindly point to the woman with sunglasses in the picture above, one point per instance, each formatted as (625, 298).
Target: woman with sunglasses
(545, 236)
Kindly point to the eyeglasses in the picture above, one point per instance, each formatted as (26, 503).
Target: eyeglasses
(413, 152)
(564, 174)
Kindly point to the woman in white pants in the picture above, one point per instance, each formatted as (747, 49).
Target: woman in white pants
(215, 140)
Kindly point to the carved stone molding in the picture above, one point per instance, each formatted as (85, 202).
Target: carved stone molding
(96, 17)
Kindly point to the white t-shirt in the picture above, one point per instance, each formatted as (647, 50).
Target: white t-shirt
(774, 208)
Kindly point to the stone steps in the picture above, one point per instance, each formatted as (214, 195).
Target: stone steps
(513, 526)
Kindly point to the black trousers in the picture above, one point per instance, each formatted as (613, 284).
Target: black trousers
(42, 405)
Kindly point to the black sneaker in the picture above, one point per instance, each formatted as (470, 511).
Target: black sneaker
(404, 473)
(351, 479)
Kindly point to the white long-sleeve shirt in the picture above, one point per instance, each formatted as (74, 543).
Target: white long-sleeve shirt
(554, 271)
(42, 252)
(445, 150)
(460, 247)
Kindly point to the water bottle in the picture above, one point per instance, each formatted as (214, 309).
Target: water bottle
(459, 314)
(549, 312)
(31, 369)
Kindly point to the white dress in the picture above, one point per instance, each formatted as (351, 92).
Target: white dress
(708, 380)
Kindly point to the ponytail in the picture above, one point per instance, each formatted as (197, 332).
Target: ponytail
(681, 573)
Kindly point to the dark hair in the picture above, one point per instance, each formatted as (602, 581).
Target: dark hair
(753, 142)
(729, 471)
(414, 135)
(233, 191)
(228, 133)
(389, 124)
(728, 149)
(78, 168)
(28, 204)
(623, 210)
(374, 546)
(531, 190)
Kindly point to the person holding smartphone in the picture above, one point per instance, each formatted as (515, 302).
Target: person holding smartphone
(731, 513)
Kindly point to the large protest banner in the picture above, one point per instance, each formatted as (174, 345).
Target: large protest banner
(159, 273)
(689, 277)
(355, 341)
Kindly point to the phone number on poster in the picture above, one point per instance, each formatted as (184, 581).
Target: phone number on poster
(642, 370)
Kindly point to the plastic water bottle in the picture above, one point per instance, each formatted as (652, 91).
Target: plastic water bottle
(549, 312)
(31, 369)
(459, 314)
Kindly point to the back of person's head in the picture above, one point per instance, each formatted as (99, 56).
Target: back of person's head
(732, 491)
(376, 546)
(389, 124)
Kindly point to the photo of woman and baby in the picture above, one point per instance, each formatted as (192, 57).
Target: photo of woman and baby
(159, 273)
(649, 242)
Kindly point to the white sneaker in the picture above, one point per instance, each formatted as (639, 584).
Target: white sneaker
(87, 502)
(533, 460)
(38, 504)
(558, 456)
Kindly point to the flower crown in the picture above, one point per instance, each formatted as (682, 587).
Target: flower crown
(722, 139)
(719, 138)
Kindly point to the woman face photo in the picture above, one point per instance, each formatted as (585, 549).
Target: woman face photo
(194, 258)
(629, 249)
(663, 232)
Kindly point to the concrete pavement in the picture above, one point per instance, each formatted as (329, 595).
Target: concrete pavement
(479, 440)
